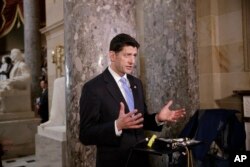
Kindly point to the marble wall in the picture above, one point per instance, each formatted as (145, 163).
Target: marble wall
(54, 12)
(169, 58)
(167, 64)
(220, 52)
(54, 33)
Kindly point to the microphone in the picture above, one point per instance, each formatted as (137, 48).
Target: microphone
(151, 141)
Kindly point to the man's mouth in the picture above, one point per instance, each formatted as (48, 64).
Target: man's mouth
(129, 67)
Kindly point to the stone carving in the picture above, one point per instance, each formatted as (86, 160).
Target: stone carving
(16, 89)
(19, 75)
(58, 108)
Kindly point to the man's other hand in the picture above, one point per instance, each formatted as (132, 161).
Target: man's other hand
(131, 120)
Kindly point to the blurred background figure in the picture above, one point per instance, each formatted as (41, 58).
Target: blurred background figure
(5, 68)
(42, 105)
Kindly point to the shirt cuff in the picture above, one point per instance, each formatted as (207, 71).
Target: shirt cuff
(158, 123)
(117, 132)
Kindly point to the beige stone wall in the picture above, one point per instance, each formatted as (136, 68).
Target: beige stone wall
(54, 11)
(54, 32)
(220, 53)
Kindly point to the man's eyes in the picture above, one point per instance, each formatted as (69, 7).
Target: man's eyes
(129, 55)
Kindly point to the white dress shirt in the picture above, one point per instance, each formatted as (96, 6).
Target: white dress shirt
(117, 80)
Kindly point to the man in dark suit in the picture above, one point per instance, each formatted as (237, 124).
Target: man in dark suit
(112, 109)
(43, 105)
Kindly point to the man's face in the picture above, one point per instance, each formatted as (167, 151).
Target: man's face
(123, 62)
(43, 84)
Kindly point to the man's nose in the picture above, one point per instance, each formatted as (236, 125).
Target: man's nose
(132, 60)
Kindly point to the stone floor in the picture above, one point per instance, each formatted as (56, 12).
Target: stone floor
(28, 161)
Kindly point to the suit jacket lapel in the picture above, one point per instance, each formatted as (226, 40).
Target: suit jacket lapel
(114, 89)
(134, 88)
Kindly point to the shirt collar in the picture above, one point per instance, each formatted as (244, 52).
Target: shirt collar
(116, 76)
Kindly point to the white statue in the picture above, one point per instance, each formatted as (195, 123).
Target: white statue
(19, 75)
(58, 107)
(15, 91)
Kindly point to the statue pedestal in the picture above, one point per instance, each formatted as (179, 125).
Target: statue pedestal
(51, 146)
(15, 101)
(15, 116)
(51, 138)
(20, 133)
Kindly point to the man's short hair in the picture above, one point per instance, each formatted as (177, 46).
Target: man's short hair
(44, 80)
(121, 40)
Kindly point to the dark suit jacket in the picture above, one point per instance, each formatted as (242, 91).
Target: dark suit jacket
(44, 107)
(99, 108)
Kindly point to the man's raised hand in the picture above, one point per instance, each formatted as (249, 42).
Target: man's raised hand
(170, 115)
(131, 120)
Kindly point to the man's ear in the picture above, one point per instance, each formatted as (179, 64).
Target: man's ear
(112, 56)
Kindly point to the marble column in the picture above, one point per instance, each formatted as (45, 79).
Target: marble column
(89, 27)
(32, 43)
(168, 57)
(168, 60)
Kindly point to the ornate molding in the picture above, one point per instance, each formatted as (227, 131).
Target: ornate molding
(53, 27)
